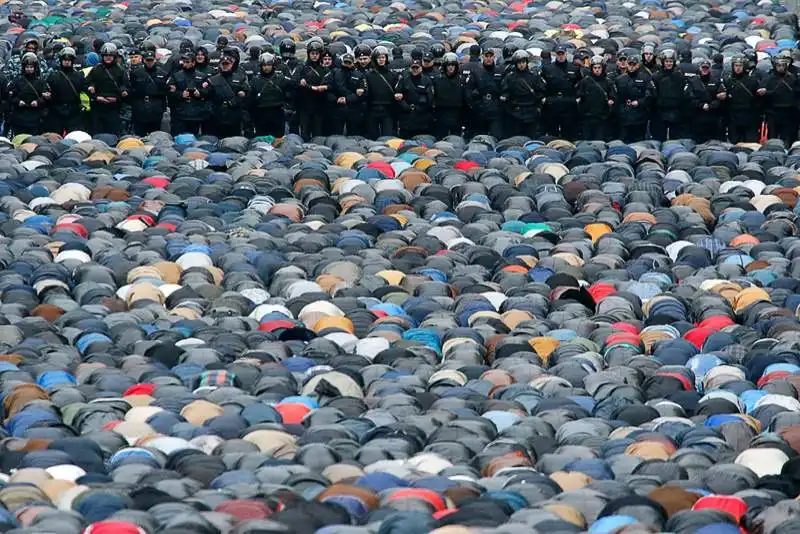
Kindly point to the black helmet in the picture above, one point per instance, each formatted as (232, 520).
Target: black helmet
(380, 51)
(668, 54)
(520, 55)
(597, 60)
(315, 46)
(739, 60)
(450, 59)
(29, 58)
(509, 50)
(266, 59)
(67, 53)
(362, 50)
(108, 49)
(287, 47)
(437, 50)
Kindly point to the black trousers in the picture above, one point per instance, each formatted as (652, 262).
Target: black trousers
(448, 122)
(269, 121)
(106, 119)
(59, 123)
(224, 130)
(379, 123)
(311, 125)
(663, 129)
(487, 125)
(143, 128)
(594, 129)
(561, 119)
(782, 125)
(743, 131)
(633, 132)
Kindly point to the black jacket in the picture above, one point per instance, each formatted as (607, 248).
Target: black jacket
(594, 93)
(193, 108)
(485, 88)
(742, 99)
(109, 81)
(148, 93)
(223, 94)
(313, 74)
(345, 84)
(269, 90)
(381, 87)
(782, 90)
(637, 86)
(66, 86)
(561, 79)
(670, 87)
(704, 90)
(449, 92)
(523, 92)
(417, 101)
(28, 89)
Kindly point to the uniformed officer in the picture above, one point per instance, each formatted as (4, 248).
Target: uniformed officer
(707, 93)
(668, 120)
(28, 95)
(188, 109)
(780, 91)
(108, 86)
(350, 90)
(226, 92)
(381, 95)
(597, 97)
(66, 85)
(560, 108)
(484, 93)
(269, 92)
(742, 103)
(522, 91)
(634, 95)
(289, 66)
(415, 101)
(450, 98)
(148, 95)
(310, 88)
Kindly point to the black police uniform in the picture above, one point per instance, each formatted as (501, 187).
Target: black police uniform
(484, 88)
(109, 81)
(267, 99)
(188, 111)
(227, 105)
(634, 87)
(290, 67)
(149, 98)
(65, 111)
(23, 91)
(522, 91)
(310, 104)
(743, 107)
(560, 108)
(668, 120)
(450, 103)
(350, 115)
(781, 105)
(381, 88)
(415, 107)
(594, 94)
(703, 90)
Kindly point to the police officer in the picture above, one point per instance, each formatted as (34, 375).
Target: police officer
(66, 85)
(13, 67)
(707, 93)
(560, 109)
(149, 95)
(363, 55)
(201, 62)
(226, 91)
(329, 127)
(484, 93)
(252, 65)
(381, 95)
(742, 103)
(429, 69)
(437, 51)
(450, 98)
(188, 109)
(780, 91)
(522, 91)
(290, 67)
(634, 95)
(415, 98)
(216, 54)
(310, 91)
(350, 90)
(597, 97)
(649, 59)
(175, 61)
(670, 84)
(28, 96)
(685, 65)
(108, 86)
(269, 92)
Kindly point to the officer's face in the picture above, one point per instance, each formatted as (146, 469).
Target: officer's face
(108, 60)
(780, 66)
(427, 63)
(633, 67)
(648, 56)
(704, 69)
(313, 55)
(188, 64)
(201, 58)
(381, 61)
(451, 69)
(149, 62)
(522, 65)
(347, 64)
(622, 63)
(30, 48)
(416, 69)
(669, 63)
(66, 62)
(488, 59)
(597, 70)
(738, 68)
(327, 61)
(30, 69)
(561, 57)
(364, 61)
(266, 69)
(226, 65)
